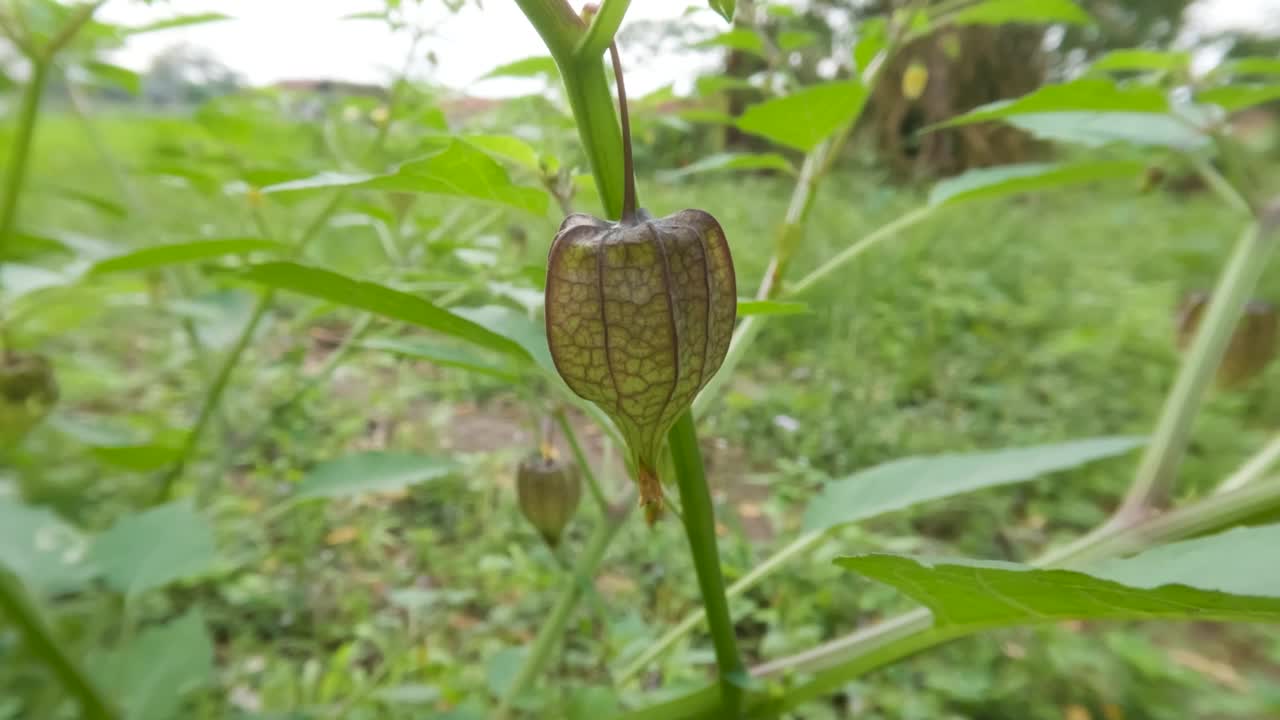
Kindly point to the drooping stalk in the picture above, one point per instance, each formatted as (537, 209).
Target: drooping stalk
(629, 202)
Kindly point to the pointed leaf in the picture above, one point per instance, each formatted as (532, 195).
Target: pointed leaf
(902, 483)
(153, 548)
(47, 554)
(108, 74)
(1143, 61)
(1225, 577)
(1010, 179)
(379, 299)
(1085, 95)
(743, 39)
(178, 21)
(771, 307)
(1238, 97)
(153, 672)
(541, 65)
(998, 12)
(178, 253)
(732, 161)
(443, 355)
(724, 7)
(807, 117)
(371, 472)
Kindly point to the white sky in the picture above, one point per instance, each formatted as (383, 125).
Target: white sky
(270, 40)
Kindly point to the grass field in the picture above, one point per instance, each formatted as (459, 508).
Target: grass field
(1045, 318)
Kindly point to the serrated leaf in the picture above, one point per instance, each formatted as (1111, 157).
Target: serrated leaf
(459, 170)
(371, 472)
(379, 299)
(807, 117)
(1226, 577)
(731, 161)
(151, 674)
(178, 21)
(1011, 179)
(153, 548)
(443, 355)
(1238, 97)
(743, 39)
(1142, 61)
(46, 553)
(771, 307)
(901, 483)
(538, 66)
(998, 12)
(178, 253)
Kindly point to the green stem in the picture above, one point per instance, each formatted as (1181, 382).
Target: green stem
(553, 627)
(700, 527)
(593, 484)
(21, 150)
(1254, 468)
(39, 636)
(1163, 456)
(603, 27)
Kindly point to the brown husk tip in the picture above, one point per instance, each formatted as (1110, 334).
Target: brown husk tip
(650, 494)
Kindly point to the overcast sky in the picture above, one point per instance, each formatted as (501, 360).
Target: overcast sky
(270, 40)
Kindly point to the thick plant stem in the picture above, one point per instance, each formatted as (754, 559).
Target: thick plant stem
(23, 613)
(21, 151)
(700, 527)
(1159, 467)
(553, 627)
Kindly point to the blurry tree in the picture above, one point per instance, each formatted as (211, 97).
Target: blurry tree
(183, 75)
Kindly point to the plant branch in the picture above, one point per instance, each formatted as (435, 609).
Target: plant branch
(604, 26)
(20, 151)
(1254, 468)
(593, 484)
(39, 636)
(700, 527)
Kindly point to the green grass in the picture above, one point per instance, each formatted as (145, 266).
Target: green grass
(996, 324)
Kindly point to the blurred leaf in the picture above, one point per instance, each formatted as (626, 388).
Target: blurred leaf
(593, 703)
(713, 84)
(997, 12)
(517, 327)
(789, 40)
(218, 316)
(538, 66)
(97, 202)
(443, 355)
(702, 115)
(370, 472)
(178, 21)
(902, 483)
(369, 15)
(1224, 577)
(1143, 60)
(743, 39)
(153, 548)
(807, 117)
(46, 554)
(378, 299)
(1099, 129)
(1250, 66)
(114, 75)
(138, 458)
(178, 253)
(459, 170)
(152, 673)
(1096, 95)
(872, 36)
(507, 147)
(770, 307)
(1238, 97)
(1011, 179)
(502, 669)
(724, 7)
(409, 694)
(731, 161)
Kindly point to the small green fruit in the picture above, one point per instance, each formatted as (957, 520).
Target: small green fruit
(28, 391)
(549, 490)
(639, 316)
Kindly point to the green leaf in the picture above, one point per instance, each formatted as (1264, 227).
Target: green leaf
(998, 12)
(1238, 97)
(165, 255)
(152, 673)
(178, 21)
(902, 483)
(725, 8)
(1250, 67)
(47, 554)
(507, 147)
(538, 66)
(807, 117)
(789, 40)
(1010, 179)
(139, 458)
(1143, 61)
(503, 667)
(379, 299)
(1226, 577)
(97, 202)
(443, 355)
(153, 548)
(459, 170)
(743, 39)
(872, 37)
(1099, 129)
(1097, 95)
(518, 328)
(108, 74)
(770, 307)
(731, 161)
(371, 472)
